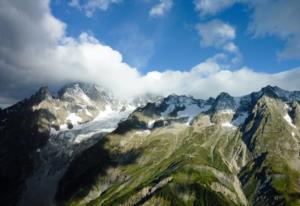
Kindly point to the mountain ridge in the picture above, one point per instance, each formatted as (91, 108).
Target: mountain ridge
(246, 121)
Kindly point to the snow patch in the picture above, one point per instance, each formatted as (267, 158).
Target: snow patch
(151, 124)
(286, 107)
(228, 124)
(226, 111)
(63, 127)
(289, 120)
(74, 118)
(80, 138)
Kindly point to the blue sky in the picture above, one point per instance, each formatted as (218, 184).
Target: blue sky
(171, 41)
(133, 47)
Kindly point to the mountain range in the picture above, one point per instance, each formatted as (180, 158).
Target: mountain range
(84, 146)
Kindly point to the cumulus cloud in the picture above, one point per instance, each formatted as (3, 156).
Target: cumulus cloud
(161, 8)
(91, 6)
(35, 51)
(278, 18)
(215, 33)
(221, 35)
(282, 20)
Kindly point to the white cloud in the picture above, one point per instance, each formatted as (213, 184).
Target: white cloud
(278, 18)
(231, 47)
(91, 6)
(211, 7)
(161, 8)
(221, 35)
(209, 78)
(34, 53)
(215, 33)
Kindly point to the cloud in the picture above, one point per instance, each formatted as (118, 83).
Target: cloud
(211, 7)
(281, 20)
(231, 47)
(215, 33)
(91, 6)
(220, 35)
(268, 18)
(209, 78)
(35, 50)
(161, 8)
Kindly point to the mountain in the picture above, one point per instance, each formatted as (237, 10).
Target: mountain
(184, 151)
(86, 147)
(40, 135)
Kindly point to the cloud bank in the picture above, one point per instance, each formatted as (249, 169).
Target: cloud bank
(35, 51)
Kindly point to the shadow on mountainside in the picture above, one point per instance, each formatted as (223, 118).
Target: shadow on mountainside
(87, 166)
(21, 136)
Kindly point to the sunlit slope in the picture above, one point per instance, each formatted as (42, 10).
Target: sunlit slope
(209, 161)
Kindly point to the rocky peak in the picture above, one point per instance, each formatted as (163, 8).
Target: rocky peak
(95, 92)
(224, 102)
(276, 92)
(279, 93)
(42, 94)
(84, 93)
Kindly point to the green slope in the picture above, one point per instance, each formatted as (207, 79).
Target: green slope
(200, 164)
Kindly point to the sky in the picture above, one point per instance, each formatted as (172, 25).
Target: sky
(192, 47)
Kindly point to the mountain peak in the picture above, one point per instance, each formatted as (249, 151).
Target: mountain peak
(85, 91)
(42, 94)
(223, 101)
(224, 95)
(276, 92)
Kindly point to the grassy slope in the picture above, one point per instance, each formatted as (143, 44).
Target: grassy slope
(197, 165)
(179, 153)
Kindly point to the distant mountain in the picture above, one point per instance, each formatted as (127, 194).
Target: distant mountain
(86, 147)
